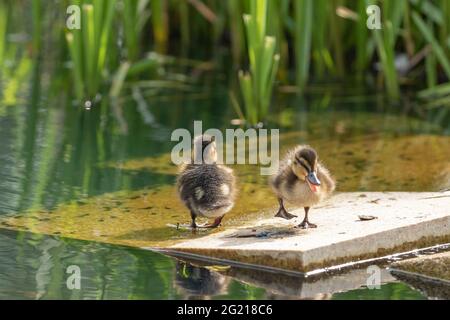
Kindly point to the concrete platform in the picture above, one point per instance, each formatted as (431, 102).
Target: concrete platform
(404, 221)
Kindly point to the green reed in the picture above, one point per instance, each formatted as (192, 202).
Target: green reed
(89, 46)
(303, 35)
(160, 24)
(318, 39)
(236, 27)
(257, 84)
(3, 26)
(428, 35)
(134, 17)
(131, 31)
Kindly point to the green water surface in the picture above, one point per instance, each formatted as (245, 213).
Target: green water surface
(34, 266)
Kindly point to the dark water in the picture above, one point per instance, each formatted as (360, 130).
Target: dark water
(34, 266)
(55, 153)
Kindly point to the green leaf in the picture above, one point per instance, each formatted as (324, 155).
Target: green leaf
(303, 31)
(437, 49)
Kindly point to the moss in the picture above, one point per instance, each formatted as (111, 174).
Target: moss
(436, 265)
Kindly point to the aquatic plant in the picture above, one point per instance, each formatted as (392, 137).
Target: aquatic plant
(319, 39)
(303, 35)
(88, 46)
(160, 24)
(36, 9)
(236, 29)
(3, 25)
(436, 96)
(134, 17)
(385, 42)
(257, 84)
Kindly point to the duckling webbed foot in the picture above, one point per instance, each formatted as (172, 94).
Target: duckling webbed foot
(215, 224)
(305, 224)
(282, 213)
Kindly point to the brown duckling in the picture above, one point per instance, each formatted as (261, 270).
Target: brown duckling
(302, 181)
(205, 187)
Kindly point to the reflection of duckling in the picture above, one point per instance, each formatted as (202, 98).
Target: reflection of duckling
(302, 181)
(197, 282)
(206, 188)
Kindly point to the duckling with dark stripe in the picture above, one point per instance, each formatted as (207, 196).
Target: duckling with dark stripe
(302, 181)
(205, 187)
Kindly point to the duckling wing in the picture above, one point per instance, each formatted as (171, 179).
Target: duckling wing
(284, 181)
(325, 178)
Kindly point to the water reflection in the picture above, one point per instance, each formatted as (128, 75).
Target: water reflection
(195, 282)
(34, 267)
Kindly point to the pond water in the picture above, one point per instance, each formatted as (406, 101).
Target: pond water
(89, 187)
(103, 176)
(33, 266)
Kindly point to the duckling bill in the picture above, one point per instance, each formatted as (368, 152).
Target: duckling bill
(302, 181)
(205, 187)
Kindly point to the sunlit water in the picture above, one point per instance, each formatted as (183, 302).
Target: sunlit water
(35, 266)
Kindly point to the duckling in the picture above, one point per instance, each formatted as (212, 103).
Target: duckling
(205, 187)
(301, 180)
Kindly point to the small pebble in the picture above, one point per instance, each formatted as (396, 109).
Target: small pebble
(366, 218)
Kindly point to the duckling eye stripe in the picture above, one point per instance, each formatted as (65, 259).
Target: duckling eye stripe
(301, 160)
(307, 169)
(304, 165)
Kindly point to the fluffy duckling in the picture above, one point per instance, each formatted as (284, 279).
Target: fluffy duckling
(205, 187)
(302, 181)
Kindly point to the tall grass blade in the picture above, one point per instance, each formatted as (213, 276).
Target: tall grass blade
(88, 42)
(303, 30)
(256, 86)
(130, 18)
(385, 50)
(362, 35)
(427, 33)
(160, 24)
(77, 65)
(3, 26)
